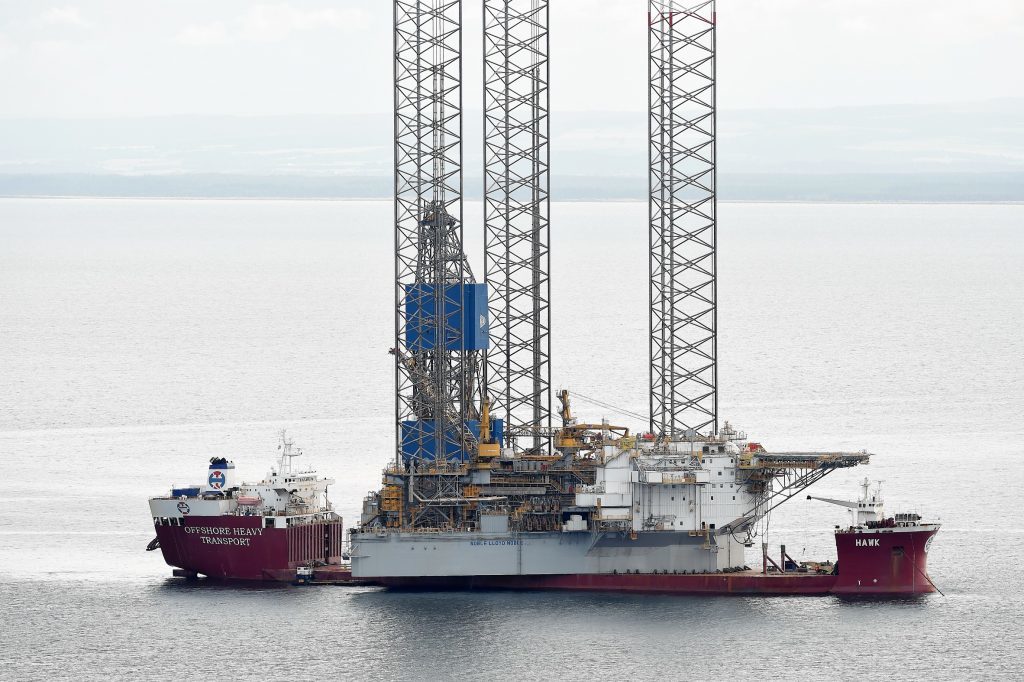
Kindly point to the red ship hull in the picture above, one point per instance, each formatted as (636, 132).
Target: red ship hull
(241, 548)
(883, 562)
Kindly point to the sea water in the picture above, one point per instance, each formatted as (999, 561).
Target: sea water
(138, 338)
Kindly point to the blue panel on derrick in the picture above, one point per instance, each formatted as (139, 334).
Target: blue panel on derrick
(418, 439)
(466, 331)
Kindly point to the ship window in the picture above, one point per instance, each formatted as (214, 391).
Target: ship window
(733, 498)
(712, 497)
(719, 473)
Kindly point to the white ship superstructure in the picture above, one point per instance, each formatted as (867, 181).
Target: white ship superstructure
(286, 495)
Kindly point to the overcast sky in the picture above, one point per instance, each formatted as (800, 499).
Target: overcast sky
(146, 57)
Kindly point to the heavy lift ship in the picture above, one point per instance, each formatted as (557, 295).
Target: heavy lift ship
(510, 502)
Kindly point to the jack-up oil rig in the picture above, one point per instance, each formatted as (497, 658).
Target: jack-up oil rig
(485, 490)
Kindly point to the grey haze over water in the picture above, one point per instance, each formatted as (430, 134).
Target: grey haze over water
(140, 338)
(925, 153)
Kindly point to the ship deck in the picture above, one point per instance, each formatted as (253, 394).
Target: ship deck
(745, 583)
(740, 582)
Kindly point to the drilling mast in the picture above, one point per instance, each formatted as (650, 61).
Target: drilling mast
(440, 314)
(682, 176)
(516, 191)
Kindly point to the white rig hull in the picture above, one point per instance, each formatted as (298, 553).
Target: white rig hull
(409, 554)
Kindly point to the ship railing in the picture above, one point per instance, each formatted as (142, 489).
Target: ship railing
(304, 519)
(382, 531)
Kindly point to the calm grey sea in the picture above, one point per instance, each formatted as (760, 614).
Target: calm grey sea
(139, 338)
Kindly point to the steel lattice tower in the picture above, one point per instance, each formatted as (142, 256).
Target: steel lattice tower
(683, 345)
(516, 191)
(436, 376)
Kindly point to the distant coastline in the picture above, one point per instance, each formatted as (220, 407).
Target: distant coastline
(809, 202)
(751, 187)
(954, 152)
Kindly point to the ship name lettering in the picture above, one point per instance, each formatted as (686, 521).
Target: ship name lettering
(869, 542)
(221, 530)
(241, 542)
(495, 543)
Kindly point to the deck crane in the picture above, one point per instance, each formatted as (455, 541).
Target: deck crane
(867, 509)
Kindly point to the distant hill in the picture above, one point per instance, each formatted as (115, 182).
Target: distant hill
(962, 152)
